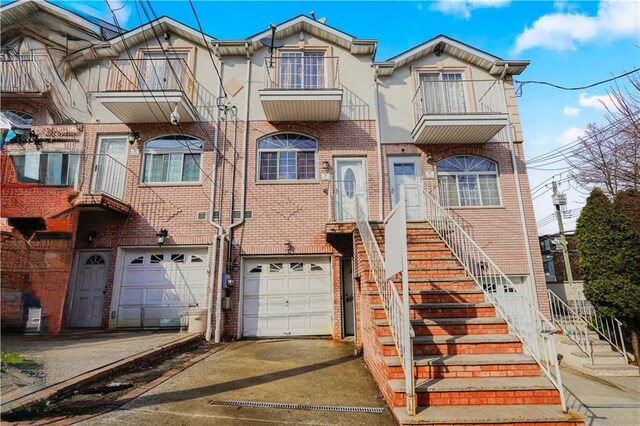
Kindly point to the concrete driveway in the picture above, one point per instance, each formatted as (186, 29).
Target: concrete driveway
(295, 371)
(63, 357)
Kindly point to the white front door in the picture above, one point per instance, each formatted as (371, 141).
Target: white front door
(407, 171)
(350, 182)
(287, 297)
(158, 286)
(88, 293)
(110, 167)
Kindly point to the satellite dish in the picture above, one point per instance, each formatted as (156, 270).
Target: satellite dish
(271, 43)
(322, 20)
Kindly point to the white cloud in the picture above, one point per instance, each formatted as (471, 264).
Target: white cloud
(463, 8)
(596, 101)
(571, 111)
(570, 135)
(567, 30)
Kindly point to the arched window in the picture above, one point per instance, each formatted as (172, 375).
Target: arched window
(468, 180)
(172, 159)
(287, 156)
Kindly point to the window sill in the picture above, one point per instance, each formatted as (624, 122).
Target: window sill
(475, 207)
(168, 184)
(287, 182)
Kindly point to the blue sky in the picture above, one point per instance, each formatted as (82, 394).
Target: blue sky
(569, 43)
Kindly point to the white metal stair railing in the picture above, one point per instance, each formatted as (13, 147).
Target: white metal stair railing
(610, 329)
(574, 326)
(397, 316)
(523, 318)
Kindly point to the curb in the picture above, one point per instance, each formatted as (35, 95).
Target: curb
(94, 375)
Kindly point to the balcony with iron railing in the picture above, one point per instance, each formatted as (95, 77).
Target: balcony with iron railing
(25, 75)
(459, 111)
(149, 90)
(302, 88)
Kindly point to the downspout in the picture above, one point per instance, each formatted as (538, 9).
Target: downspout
(243, 202)
(516, 175)
(216, 238)
(222, 234)
(379, 145)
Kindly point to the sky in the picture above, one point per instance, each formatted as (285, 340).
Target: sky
(569, 43)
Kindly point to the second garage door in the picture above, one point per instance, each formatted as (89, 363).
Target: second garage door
(287, 297)
(159, 286)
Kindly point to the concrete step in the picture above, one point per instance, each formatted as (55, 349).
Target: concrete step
(457, 345)
(443, 310)
(479, 391)
(472, 295)
(548, 415)
(604, 370)
(449, 326)
(466, 366)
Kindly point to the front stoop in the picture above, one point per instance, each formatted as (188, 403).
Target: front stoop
(468, 369)
(606, 360)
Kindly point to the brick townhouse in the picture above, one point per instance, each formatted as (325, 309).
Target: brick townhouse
(157, 170)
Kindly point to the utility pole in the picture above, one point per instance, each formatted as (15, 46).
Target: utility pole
(561, 200)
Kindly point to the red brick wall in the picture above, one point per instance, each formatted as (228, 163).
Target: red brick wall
(35, 272)
(297, 212)
(497, 230)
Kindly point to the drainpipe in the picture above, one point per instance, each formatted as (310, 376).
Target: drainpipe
(514, 163)
(243, 202)
(219, 236)
(379, 145)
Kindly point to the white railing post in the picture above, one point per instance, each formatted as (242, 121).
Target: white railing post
(396, 310)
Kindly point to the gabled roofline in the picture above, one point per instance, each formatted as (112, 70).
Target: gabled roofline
(64, 14)
(164, 19)
(115, 45)
(358, 46)
(453, 47)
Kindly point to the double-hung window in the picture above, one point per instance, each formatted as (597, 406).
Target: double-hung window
(301, 70)
(467, 181)
(442, 93)
(172, 159)
(47, 168)
(286, 157)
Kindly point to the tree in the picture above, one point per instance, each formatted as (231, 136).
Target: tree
(609, 156)
(609, 257)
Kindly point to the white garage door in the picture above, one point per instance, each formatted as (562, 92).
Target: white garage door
(287, 297)
(158, 286)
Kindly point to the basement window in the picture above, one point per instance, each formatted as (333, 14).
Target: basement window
(47, 168)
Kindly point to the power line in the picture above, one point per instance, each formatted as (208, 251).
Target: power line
(206, 44)
(588, 86)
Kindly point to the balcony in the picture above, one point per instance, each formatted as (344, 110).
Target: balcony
(302, 87)
(148, 90)
(101, 184)
(458, 111)
(25, 75)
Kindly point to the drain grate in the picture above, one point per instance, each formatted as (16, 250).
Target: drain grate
(375, 410)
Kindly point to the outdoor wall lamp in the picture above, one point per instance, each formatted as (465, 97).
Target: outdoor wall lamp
(92, 236)
(133, 137)
(34, 139)
(429, 158)
(326, 167)
(161, 236)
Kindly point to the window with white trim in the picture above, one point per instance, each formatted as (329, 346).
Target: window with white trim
(442, 93)
(286, 157)
(172, 159)
(468, 181)
(301, 70)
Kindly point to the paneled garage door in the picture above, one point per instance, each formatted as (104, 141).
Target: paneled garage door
(287, 297)
(158, 286)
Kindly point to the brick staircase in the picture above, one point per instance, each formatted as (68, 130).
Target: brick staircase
(468, 369)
